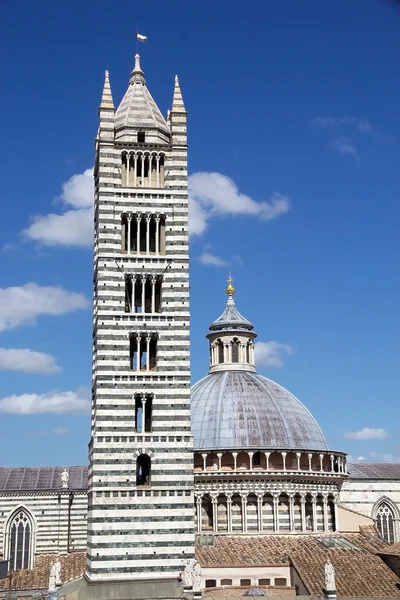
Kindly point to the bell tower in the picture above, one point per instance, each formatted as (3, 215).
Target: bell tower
(141, 505)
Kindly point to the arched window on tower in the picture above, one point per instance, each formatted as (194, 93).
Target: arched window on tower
(235, 351)
(124, 233)
(128, 294)
(148, 413)
(220, 347)
(138, 413)
(385, 522)
(20, 541)
(143, 470)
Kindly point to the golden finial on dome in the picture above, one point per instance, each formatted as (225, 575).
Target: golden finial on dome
(230, 288)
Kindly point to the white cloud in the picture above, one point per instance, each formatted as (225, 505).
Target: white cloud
(269, 354)
(345, 147)
(385, 457)
(27, 361)
(210, 194)
(367, 433)
(22, 305)
(78, 190)
(214, 194)
(207, 258)
(57, 431)
(360, 124)
(74, 403)
(74, 227)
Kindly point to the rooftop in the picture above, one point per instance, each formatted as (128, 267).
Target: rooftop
(360, 572)
(41, 478)
(373, 470)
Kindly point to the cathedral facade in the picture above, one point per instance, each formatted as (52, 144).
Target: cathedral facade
(236, 457)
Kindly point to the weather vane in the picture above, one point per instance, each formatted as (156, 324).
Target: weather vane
(138, 37)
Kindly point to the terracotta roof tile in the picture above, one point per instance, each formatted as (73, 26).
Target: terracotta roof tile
(391, 550)
(360, 572)
(72, 566)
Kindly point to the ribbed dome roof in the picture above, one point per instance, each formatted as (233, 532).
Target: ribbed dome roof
(231, 318)
(244, 410)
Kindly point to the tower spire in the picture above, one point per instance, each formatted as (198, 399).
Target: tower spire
(177, 101)
(137, 73)
(106, 97)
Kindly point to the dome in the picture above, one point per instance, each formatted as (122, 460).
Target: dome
(242, 410)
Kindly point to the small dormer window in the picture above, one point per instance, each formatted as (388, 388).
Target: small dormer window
(141, 136)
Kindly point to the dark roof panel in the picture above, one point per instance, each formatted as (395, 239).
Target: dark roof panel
(41, 478)
(374, 470)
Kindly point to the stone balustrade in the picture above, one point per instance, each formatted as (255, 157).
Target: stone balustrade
(274, 461)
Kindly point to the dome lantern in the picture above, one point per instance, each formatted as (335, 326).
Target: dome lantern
(231, 338)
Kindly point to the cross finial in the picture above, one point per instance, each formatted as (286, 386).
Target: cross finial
(230, 288)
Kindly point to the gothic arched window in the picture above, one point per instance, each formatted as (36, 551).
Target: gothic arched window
(385, 522)
(20, 541)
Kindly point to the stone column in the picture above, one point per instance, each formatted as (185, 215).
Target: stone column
(335, 508)
(291, 511)
(141, 157)
(143, 414)
(219, 456)
(128, 164)
(158, 170)
(129, 219)
(157, 234)
(198, 502)
(133, 280)
(260, 497)
(234, 454)
(135, 162)
(214, 502)
(325, 504)
(276, 511)
(143, 280)
(148, 219)
(139, 219)
(314, 511)
(244, 512)
(267, 455)
(284, 454)
(321, 462)
(332, 463)
(148, 352)
(303, 512)
(150, 165)
(309, 462)
(229, 512)
(204, 456)
(251, 454)
(153, 294)
(138, 351)
(298, 456)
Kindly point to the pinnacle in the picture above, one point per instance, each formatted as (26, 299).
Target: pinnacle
(177, 102)
(106, 98)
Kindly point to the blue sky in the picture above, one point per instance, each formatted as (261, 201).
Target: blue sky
(294, 132)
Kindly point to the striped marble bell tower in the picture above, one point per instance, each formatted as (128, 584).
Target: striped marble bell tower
(141, 507)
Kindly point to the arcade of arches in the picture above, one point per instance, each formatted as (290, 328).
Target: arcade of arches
(265, 512)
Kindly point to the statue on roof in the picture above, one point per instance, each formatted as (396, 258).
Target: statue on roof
(191, 575)
(330, 584)
(55, 575)
(64, 478)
